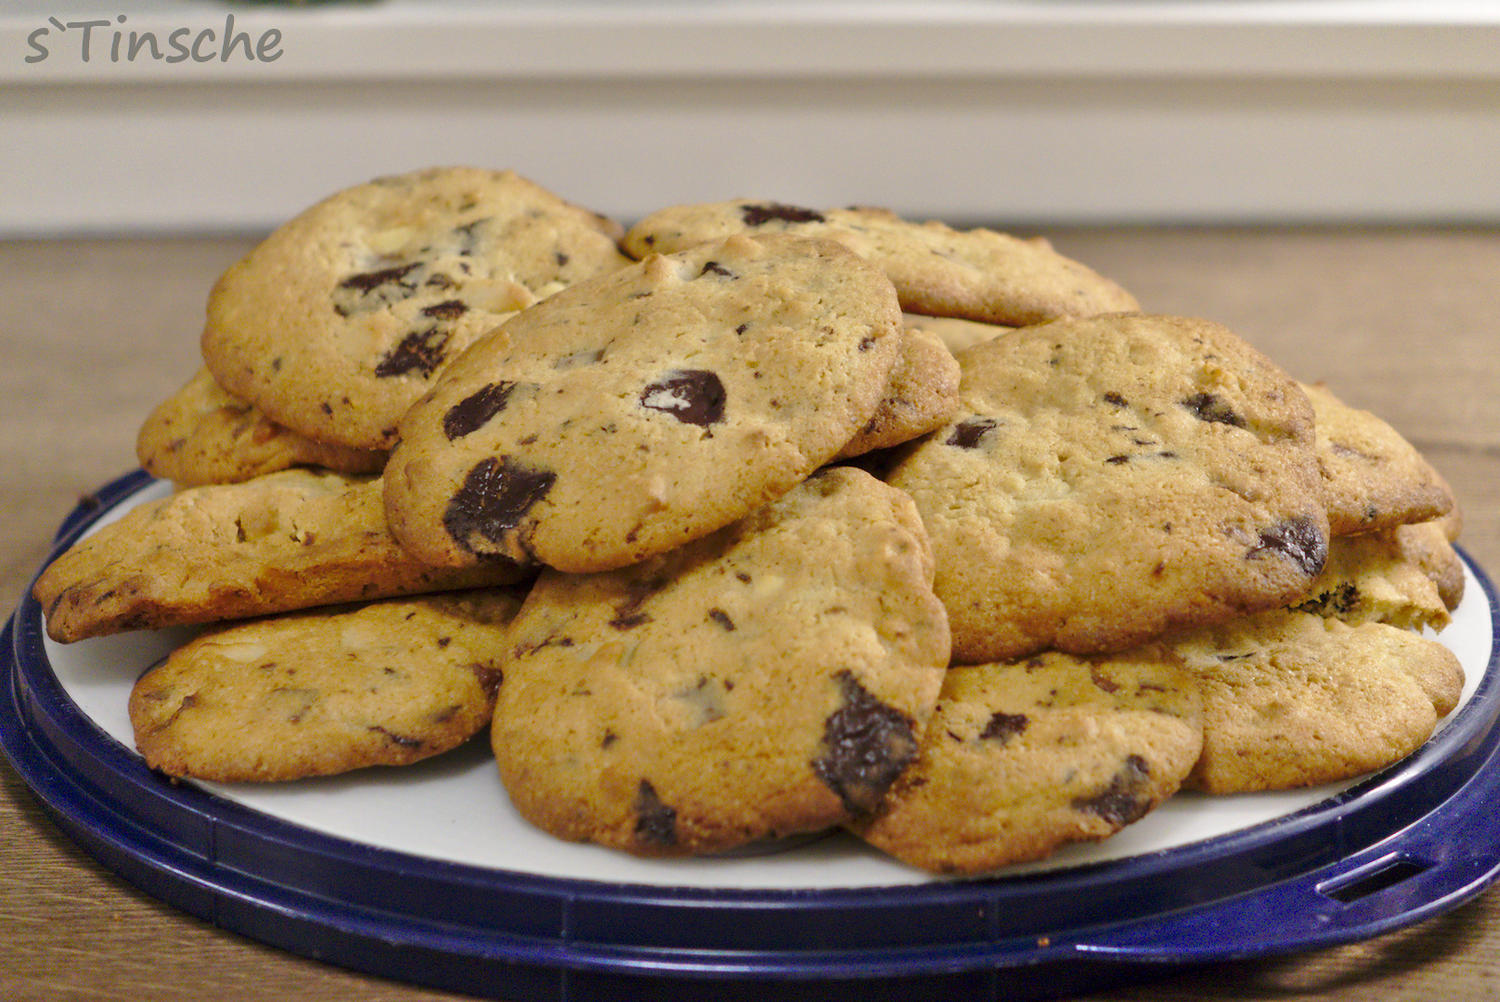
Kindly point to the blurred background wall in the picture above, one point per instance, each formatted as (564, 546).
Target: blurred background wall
(1056, 112)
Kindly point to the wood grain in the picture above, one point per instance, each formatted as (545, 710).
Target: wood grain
(95, 333)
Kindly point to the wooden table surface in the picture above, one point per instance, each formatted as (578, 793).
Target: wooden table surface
(94, 333)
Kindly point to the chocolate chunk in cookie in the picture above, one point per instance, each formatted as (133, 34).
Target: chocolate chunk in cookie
(281, 542)
(1022, 758)
(771, 678)
(341, 318)
(632, 413)
(976, 274)
(1106, 480)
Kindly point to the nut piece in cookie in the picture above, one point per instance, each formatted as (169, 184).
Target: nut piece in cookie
(202, 435)
(320, 693)
(1111, 478)
(772, 678)
(1022, 758)
(976, 274)
(1292, 699)
(341, 318)
(284, 541)
(631, 413)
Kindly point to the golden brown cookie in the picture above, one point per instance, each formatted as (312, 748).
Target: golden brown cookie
(341, 318)
(1021, 758)
(1373, 477)
(1372, 577)
(202, 435)
(1292, 699)
(1427, 545)
(319, 693)
(976, 274)
(922, 395)
(772, 678)
(1108, 479)
(280, 542)
(634, 412)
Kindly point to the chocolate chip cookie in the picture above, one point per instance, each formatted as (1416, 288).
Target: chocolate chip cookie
(319, 693)
(921, 395)
(1293, 699)
(203, 435)
(771, 678)
(634, 412)
(977, 274)
(280, 542)
(340, 319)
(1021, 758)
(1427, 546)
(1372, 577)
(1110, 478)
(1374, 478)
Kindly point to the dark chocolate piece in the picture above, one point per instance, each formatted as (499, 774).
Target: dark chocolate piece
(866, 745)
(765, 212)
(474, 411)
(1004, 726)
(1207, 407)
(369, 281)
(1298, 539)
(494, 497)
(420, 352)
(655, 822)
(967, 433)
(448, 309)
(692, 396)
(1124, 800)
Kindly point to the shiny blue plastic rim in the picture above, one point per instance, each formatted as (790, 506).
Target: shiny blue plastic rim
(1398, 847)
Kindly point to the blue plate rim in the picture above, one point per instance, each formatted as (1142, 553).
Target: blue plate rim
(588, 908)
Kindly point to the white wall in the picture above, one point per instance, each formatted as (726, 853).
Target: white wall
(1280, 110)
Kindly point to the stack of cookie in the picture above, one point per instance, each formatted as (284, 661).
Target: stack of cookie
(757, 520)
